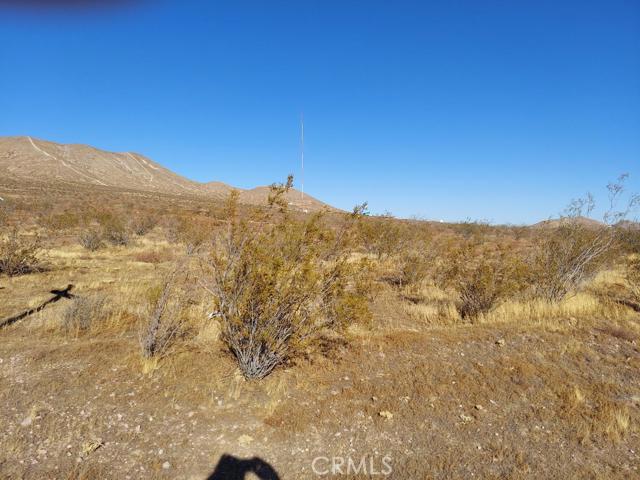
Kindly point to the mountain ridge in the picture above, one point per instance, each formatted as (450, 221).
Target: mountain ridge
(29, 158)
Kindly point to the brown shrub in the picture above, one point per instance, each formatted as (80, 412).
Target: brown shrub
(153, 256)
(414, 267)
(629, 237)
(90, 239)
(7, 209)
(632, 275)
(19, 254)
(166, 317)
(114, 231)
(578, 248)
(61, 221)
(473, 228)
(382, 236)
(171, 229)
(82, 313)
(191, 231)
(483, 275)
(567, 256)
(143, 224)
(277, 285)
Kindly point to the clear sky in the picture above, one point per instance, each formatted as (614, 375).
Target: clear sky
(495, 110)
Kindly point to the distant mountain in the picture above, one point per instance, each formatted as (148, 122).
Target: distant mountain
(27, 158)
(556, 222)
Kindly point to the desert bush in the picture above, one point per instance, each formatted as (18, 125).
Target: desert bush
(632, 275)
(481, 290)
(19, 254)
(414, 267)
(61, 221)
(195, 232)
(472, 228)
(143, 224)
(165, 322)
(153, 256)
(90, 239)
(171, 229)
(192, 231)
(629, 237)
(578, 248)
(382, 236)
(277, 283)
(7, 208)
(482, 275)
(83, 312)
(568, 256)
(115, 232)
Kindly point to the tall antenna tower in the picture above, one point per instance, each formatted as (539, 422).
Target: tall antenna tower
(302, 154)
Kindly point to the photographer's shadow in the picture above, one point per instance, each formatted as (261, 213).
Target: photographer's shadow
(232, 468)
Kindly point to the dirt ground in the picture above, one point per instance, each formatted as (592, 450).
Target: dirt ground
(463, 402)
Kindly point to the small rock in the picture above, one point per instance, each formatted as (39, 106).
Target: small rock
(501, 342)
(479, 407)
(245, 439)
(166, 465)
(26, 422)
(386, 414)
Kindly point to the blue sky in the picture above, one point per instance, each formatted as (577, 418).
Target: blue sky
(490, 110)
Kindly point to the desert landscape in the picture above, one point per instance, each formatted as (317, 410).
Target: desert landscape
(154, 327)
(346, 240)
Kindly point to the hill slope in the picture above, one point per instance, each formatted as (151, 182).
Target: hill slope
(27, 158)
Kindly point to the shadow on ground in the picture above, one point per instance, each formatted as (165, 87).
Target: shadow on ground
(233, 468)
(57, 295)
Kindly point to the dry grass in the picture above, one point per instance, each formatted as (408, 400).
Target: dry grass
(431, 306)
(527, 389)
